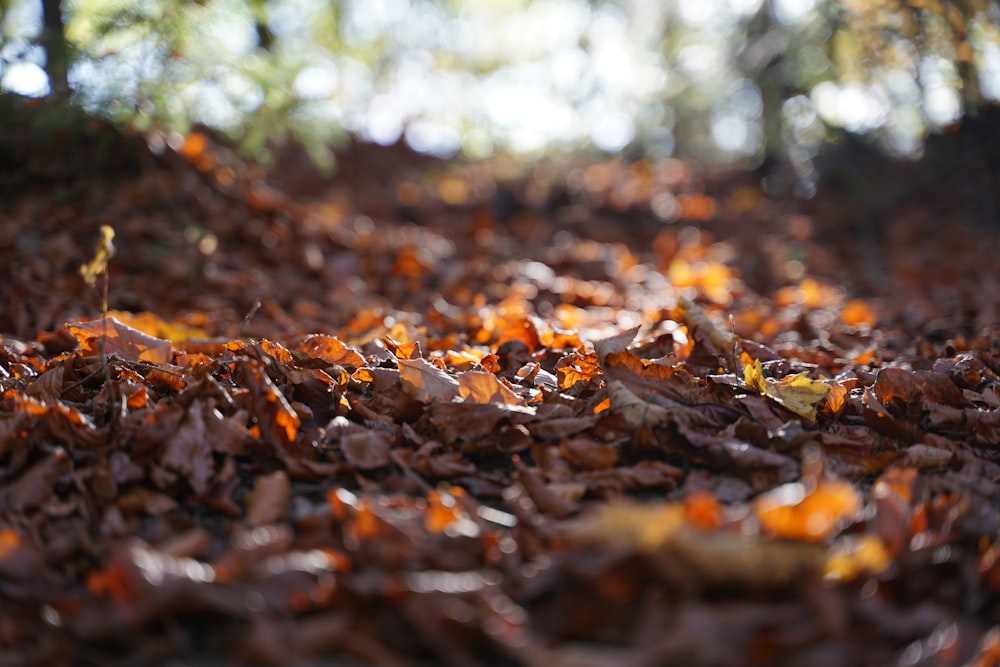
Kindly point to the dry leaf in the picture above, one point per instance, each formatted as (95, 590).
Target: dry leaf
(638, 412)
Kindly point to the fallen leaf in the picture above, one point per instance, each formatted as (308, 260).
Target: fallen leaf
(480, 387)
(121, 340)
(794, 392)
(852, 556)
(792, 511)
(426, 382)
(638, 412)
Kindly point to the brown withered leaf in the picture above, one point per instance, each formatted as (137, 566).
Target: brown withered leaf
(586, 454)
(614, 344)
(140, 500)
(611, 482)
(473, 421)
(905, 393)
(189, 450)
(561, 427)
(366, 450)
(426, 382)
(546, 497)
(267, 501)
(34, 486)
(638, 412)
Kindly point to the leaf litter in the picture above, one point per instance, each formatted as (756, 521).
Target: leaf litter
(572, 432)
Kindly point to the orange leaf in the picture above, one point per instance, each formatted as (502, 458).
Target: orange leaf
(792, 512)
(479, 387)
(10, 540)
(858, 312)
(703, 510)
(441, 511)
(331, 350)
(122, 340)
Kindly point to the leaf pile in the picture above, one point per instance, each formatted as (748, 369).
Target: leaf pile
(555, 422)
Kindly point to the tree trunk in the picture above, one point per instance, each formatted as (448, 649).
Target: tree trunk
(56, 48)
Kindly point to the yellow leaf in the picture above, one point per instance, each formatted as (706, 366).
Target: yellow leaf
(103, 253)
(795, 392)
(852, 556)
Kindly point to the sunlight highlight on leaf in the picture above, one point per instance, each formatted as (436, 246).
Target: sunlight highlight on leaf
(852, 556)
(156, 326)
(791, 511)
(478, 387)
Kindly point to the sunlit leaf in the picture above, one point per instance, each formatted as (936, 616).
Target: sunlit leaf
(858, 313)
(103, 253)
(795, 392)
(703, 510)
(122, 341)
(793, 511)
(426, 382)
(477, 387)
(851, 556)
(614, 344)
(154, 325)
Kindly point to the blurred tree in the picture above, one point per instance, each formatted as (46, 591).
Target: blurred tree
(727, 80)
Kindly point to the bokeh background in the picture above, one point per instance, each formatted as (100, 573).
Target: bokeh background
(727, 81)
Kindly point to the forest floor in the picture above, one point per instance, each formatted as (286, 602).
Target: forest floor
(604, 414)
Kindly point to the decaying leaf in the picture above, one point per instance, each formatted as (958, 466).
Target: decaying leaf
(795, 392)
